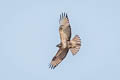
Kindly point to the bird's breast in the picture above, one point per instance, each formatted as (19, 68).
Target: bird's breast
(63, 38)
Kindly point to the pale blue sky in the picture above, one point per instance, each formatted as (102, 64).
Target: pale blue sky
(29, 34)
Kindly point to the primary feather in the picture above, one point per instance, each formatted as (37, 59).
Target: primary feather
(60, 55)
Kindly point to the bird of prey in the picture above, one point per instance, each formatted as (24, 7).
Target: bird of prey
(65, 44)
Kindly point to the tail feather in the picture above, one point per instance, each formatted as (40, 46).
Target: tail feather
(75, 44)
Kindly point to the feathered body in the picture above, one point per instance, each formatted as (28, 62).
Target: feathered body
(66, 43)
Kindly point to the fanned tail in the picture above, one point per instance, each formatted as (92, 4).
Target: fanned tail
(75, 44)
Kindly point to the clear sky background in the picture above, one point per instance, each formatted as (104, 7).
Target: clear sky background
(29, 34)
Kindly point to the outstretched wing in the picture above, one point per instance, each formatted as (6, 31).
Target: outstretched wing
(64, 29)
(60, 55)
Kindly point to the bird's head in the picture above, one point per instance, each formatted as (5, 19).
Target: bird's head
(58, 45)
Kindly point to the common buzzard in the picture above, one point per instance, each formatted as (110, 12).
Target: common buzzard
(65, 44)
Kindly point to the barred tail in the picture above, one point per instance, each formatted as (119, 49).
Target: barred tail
(75, 44)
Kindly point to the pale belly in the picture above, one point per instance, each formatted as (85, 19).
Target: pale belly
(63, 39)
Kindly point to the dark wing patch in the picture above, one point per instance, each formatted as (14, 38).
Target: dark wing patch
(61, 54)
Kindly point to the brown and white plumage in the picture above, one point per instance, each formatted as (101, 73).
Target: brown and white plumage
(60, 55)
(75, 44)
(66, 43)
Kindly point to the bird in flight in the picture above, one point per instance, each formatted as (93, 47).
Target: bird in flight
(65, 43)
